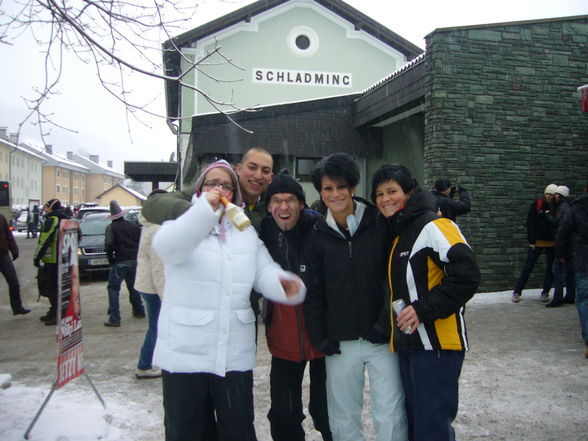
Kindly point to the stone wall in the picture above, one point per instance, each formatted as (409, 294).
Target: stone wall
(502, 116)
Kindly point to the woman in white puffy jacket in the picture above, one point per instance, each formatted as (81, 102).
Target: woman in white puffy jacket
(206, 330)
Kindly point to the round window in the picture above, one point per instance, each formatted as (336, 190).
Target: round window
(303, 41)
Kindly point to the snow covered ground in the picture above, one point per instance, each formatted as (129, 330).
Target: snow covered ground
(525, 378)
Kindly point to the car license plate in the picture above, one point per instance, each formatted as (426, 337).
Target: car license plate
(96, 262)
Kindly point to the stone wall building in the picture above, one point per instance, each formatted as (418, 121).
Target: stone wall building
(494, 107)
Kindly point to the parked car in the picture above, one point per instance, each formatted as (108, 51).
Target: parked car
(91, 249)
(20, 224)
(84, 211)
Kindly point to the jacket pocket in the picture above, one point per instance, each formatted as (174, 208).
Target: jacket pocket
(190, 331)
(245, 315)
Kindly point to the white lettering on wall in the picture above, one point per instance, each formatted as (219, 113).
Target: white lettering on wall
(301, 77)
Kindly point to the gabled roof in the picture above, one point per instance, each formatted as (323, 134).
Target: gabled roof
(97, 167)
(171, 58)
(53, 159)
(127, 189)
(23, 150)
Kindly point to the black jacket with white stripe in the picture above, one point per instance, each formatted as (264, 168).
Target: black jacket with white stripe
(432, 268)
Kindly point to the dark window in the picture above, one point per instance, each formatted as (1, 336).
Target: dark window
(302, 42)
(304, 167)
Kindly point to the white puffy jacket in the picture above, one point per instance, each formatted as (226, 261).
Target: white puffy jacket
(206, 323)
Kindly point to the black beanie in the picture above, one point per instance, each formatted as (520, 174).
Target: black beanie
(442, 184)
(53, 204)
(283, 182)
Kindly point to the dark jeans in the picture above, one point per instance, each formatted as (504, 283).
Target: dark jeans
(120, 271)
(189, 401)
(286, 413)
(532, 256)
(564, 271)
(152, 305)
(32, 230)
(582, 303)
(431, 386)
(7, 269)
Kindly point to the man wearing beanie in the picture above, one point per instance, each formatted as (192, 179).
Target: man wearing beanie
(284, 232)
(122, 245)
(46, 253)
(563, 267)
(541, 236)
(448, 207)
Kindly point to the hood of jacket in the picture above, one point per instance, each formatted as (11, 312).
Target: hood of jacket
(420, 202)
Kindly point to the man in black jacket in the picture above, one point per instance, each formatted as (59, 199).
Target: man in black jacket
(344, 258)
(573, 231)
(7, 243)
(448, 207)
(283, 233)
(122, 244)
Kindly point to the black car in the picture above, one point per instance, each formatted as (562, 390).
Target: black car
(91, 249)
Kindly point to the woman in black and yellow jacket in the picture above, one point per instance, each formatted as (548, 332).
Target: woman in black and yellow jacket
(432, 268)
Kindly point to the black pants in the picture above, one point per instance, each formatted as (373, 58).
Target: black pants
(47, 283)
(7, 269)
(190, 401)
(286, 413)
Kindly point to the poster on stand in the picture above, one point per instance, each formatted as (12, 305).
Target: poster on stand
(70, 349)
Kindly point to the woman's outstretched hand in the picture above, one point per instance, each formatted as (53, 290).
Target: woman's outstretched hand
(291, 286)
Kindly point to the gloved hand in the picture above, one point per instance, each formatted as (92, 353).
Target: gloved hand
(329, 347)
(37, 263)
(376, 337)
(14, 256)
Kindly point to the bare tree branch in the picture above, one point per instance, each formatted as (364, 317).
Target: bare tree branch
(119, 37)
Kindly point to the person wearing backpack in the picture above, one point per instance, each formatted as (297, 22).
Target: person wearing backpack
(541, 238)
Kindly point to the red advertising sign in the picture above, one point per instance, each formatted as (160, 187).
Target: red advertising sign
(70, 351)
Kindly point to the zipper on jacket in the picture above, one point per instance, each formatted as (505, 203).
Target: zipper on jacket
(350, 246)
(300, 335)
(282, 242)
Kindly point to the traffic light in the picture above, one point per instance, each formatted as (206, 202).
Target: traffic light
(4, 193)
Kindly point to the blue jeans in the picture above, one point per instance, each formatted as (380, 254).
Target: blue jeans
(582, 302)
(532, 256)
(152, 305)
(120, 271)
(431, 385)
(561, 271)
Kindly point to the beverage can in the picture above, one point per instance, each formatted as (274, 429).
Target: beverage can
(398, 305)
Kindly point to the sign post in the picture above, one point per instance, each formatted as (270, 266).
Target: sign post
(70, 349)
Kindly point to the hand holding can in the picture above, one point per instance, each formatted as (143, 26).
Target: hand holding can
(397, 306)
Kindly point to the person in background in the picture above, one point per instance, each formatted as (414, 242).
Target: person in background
(541, 236)
(563, 268)
(8, 245)
(448, 207)
(32, 222)
(283, 232)
(45, 257)
(149, 282)
(346, 311)
(206, 330)
(434, 271)
(572, 232)
(122, 245)
(255, 172)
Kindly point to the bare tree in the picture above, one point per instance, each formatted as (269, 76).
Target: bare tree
(120, 38)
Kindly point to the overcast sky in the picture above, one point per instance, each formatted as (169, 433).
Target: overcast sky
(101, 122)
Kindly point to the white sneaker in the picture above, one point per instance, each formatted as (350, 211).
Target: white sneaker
(141, 374)
(516, 298)
(544, 297)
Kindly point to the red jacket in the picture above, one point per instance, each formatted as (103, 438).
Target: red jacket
(286, 334)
